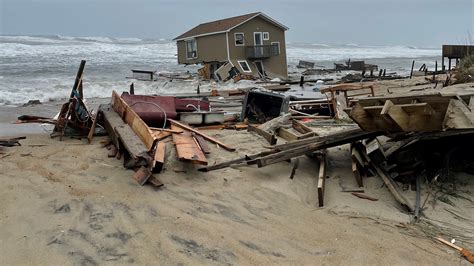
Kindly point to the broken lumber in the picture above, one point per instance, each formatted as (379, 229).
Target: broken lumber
(324, 142)
(392, 187)
(272, 125)
(211, 139)
(186, 147)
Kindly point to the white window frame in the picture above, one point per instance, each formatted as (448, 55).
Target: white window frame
(267, 34)
(279, 51)
(235, 39)
(186, 44)
(248, 66)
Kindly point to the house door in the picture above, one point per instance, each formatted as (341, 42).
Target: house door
(258, 41)
(261, 70)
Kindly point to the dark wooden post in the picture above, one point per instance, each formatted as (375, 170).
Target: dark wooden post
(449, 64)
(132, 89)
(80, 91)
(78, 80)
(302, 81)
(384, 71)
(412, 66)
(436, 70)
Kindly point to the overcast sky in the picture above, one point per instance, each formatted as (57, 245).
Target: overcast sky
(427, 23)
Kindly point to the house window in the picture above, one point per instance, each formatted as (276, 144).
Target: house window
(191, 49)
(244, 66)
(276, 48)
(266, 36)
(239, 39)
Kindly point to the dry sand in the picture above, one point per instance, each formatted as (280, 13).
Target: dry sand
(68, 203)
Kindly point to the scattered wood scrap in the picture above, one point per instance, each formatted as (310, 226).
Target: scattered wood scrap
(187, 148)
(363, 196)
(211, 139)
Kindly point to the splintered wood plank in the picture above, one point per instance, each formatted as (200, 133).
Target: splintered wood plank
(160, 152)
(94, 124)
(186, 147)
(321, 179)
(458, 116)
(179, 125)
(202, 143)
(133, 120)
(159, 135)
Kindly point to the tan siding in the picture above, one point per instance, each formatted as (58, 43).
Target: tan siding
(209, 48)
(274, 65)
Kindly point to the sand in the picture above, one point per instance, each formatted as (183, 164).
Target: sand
(68, 203)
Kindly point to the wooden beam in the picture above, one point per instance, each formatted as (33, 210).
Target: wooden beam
(213, 140)
(94, 124)
(166, 130)
(362, 117)
(186, 147)
(392, 187)
(302, 150)
(300, 127)
(321, 179)
(286, 134)
(133, 120)
(396, 114)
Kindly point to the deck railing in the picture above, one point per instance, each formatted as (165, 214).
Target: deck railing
(261, 51)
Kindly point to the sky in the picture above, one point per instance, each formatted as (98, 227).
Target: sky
(421, 23)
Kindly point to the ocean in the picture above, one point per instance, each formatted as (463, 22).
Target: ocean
(44, 67)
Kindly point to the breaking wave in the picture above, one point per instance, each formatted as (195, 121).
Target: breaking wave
(43, 67)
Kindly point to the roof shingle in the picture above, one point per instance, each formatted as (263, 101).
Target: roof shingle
(216, 26)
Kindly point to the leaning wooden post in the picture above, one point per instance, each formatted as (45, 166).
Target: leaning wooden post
(412, 66)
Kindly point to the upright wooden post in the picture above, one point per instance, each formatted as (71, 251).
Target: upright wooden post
(436, 70)
(449, 64)
(412, 66)
(132, 89)
(80, 90)
(301, 80)
(78, 80)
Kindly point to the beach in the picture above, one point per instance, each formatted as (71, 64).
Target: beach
(64, 202)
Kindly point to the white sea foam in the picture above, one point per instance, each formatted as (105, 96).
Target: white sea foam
(43, 67)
